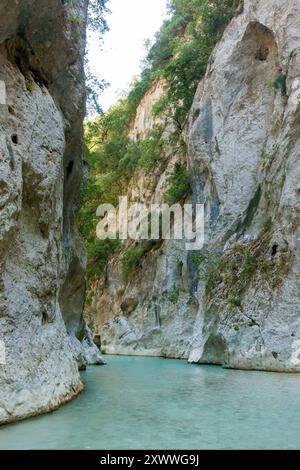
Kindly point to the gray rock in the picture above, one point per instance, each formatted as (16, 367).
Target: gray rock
(243, 140)
(42, 262)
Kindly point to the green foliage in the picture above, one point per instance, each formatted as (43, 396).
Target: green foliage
(96, 22)
(113, 159)
(248, 324)
(29, 85)
(179, 56)
(250, 211)
(263, 153)
(231, 274)
(127, 164)
(136, 93)
(183, 47)
(93, 88)
(113, 156)
(233, 271)
(99, 253)
(142, 154)
(174, 295)
(76, 20)
(150, 153)
(160, 106)
(248, 267)
(280, 83)
(97, 9)
(235, 302)
(199, 258)
(131, 258)
(179, 184)
(268, 223)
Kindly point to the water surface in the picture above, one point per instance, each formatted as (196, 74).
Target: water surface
(148, 403)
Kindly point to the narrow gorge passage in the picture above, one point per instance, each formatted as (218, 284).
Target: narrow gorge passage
(152, 231)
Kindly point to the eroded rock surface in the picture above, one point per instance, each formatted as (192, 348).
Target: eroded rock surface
(236, 302)
(42, 262)
(248, 149)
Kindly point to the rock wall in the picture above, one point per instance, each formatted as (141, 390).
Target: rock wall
(42, 262)
(235, 303)
(244, 135)
(147, 315)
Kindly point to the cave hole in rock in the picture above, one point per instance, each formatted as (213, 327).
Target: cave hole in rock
(15, 139)
(23, 56)
(214, 349)
(180, 268)
(274, 250)
(256, 57)
(19, 64)
(196, 114)
(262, 53)
(19, 53)
(39, 78)
(45, 318)
(69, 168)
(11, 110)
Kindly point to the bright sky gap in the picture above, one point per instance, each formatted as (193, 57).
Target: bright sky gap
(119, 60)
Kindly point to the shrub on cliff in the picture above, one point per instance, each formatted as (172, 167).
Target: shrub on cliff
(99, 254)
(132, 256)
(131, 260)
(183, 47)
(179, 184)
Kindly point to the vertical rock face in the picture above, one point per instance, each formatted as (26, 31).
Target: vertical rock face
(42, 263)
(244, 136)
(153, 312)
(236, 302)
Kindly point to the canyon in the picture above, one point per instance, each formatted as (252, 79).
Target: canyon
(236, 302)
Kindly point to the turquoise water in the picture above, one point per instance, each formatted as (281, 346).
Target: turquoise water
(147, 403)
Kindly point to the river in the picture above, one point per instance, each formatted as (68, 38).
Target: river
(148, 403)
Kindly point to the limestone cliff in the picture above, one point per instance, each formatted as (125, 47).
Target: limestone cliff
(136, 316)
(236, 302)
(42, 262)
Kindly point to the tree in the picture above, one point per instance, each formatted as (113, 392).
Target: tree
(183, 47)
(97, 9)
(94, 88)
(96, 22)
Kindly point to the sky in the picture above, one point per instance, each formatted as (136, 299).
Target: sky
(119, 59)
